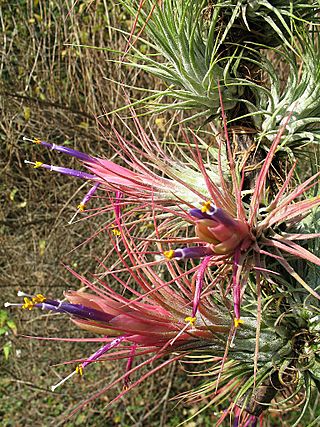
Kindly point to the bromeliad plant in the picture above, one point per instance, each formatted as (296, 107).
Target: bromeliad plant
(232, 254)
(216, 233)
(194, 45)
(192, 59)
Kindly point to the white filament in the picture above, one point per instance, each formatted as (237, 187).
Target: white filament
(27, 139)
(10, 304)
(23, 294)
(72, 219)
(63, 381)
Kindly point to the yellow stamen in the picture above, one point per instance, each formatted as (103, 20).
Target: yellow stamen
(206, 206)
(115, 230)
(79, 370)
(28, 304)
(238, 322)
(81, 207)
(169, 254)
(37, 165)
(190, 320)
(39, 298)
(37, 141)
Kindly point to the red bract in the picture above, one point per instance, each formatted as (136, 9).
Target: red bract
(148, 324)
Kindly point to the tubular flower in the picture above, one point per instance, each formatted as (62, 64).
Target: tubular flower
(148, 324)
(220, 231)
(138, 180)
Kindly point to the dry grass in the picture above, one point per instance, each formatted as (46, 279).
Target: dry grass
(55, 91)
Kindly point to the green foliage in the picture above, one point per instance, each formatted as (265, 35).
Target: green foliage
(274, 22)
(7, 327)
(185, 50)
(194, 46)
(297, 103)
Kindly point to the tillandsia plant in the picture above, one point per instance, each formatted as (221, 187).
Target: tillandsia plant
(197, 264)
(299, 98)
(206, 47)
(194, 45)
(216, 233)
(269, 22)
(193, 60)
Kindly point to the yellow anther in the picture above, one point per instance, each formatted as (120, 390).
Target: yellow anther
(238, 322)
(190, 320)
(116, 231)
(81, 207)
(169, 254)
(28, 304)
(79, 370)
(37, 141)
(37, 165)
(206, 206)
(39, 298)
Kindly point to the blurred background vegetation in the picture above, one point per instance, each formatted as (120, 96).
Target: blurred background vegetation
(53, 89)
